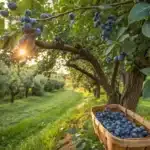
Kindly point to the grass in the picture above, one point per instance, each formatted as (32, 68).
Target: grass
(144, 108)
(38, 123)
(27, 117)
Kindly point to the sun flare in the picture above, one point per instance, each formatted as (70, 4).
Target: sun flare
(22, 52)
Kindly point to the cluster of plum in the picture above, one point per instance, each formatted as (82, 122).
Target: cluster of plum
(29, 23)
(107, 27)
(11, 6)
(118, 125)
(121, 57)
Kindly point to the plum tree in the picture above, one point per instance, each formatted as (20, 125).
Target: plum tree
(117, 34)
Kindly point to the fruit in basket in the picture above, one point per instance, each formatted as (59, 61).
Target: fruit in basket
(120, 126)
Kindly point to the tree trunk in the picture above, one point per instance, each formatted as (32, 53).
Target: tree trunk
(96, 91)
(12, 98)
(114, 98)
(27, 91)
(132, 91)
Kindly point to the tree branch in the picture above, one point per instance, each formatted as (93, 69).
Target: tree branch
(101, 7)
(82, 71)
(83, 53)
(55, 45)
(114, 76)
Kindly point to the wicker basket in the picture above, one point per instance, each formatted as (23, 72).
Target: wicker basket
(114, 143)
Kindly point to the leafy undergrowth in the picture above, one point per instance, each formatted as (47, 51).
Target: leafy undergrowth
(23, 124)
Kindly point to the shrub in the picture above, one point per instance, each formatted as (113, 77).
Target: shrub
(53, 85)
(39, 82)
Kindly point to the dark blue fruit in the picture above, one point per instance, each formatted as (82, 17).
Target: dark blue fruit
(116, 58)
(71, 16)
(28, 12)
(4, 13)
(27, 27)
(121, 57)
(118, 125)
(25, 19)
(12, 5)
(33, 21)
(145, 133)
(97, 14)
(38, 32)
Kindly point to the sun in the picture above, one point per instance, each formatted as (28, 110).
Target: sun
(22, 52)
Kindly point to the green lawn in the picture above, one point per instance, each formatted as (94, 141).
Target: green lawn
(27, 117)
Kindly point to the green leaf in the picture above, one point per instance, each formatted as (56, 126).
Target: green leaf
(128, 46)
(121, 32)
(109, 49)
(146, 71)
(146, 89)
(124, 37)
(2, 25)
(146, 28)
(139, 12)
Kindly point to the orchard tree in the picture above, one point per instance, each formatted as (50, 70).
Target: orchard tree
(4, 70)
(47, 63)
(112, 37)
(26, 76)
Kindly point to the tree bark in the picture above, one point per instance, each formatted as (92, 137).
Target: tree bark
(132, 91)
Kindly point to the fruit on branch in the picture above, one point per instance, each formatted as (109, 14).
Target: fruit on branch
(107, 28)
(27, 28)
(117, 124)
(116, 58)
(40, 26)
(25, 19)
(37, 31)
(71, 16)
(4, 13)
(12, 5)
(121, 57)
(45, 15)
(33, 21)
(28, 12)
